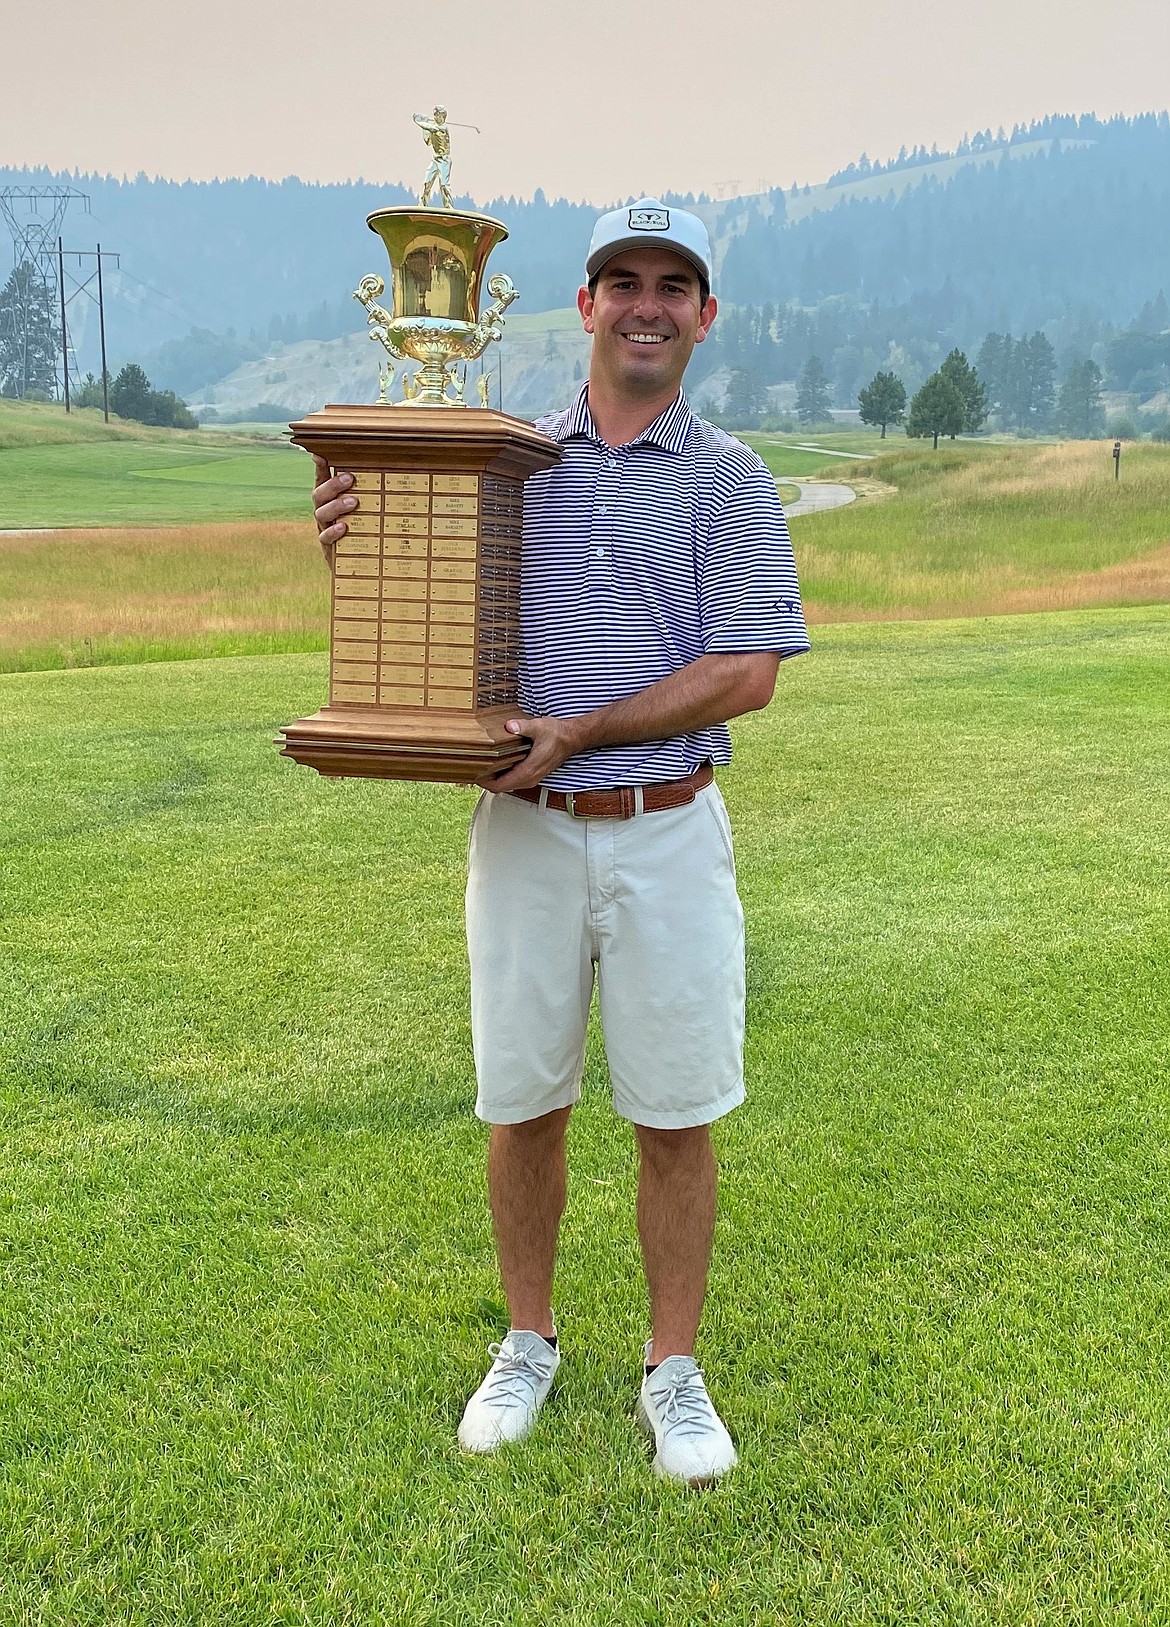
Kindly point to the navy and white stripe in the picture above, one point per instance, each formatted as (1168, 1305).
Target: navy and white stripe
(637, 560)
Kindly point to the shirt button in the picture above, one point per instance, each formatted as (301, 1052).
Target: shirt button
(603, 508)
(611, 463)
(601, 553)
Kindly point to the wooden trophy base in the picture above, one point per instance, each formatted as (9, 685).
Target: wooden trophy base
(425, 625)
(388, 743)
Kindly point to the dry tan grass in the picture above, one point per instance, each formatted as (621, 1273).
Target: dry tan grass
(78, 592)
(1136, 581)
(1067, 467)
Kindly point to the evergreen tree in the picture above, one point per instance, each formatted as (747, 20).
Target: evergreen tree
(1079, 412)
(747, 399)
(993, 365)
(132, 397)
(812, 394)
(130, 394)
(30, 340)
(89, 392)
(966, 380)
(1035, 372)
(883, 401)
(936, 410)
(1019, 377)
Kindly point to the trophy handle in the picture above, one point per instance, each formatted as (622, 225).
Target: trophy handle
(491, 324)
(366, 293)
(503, 290)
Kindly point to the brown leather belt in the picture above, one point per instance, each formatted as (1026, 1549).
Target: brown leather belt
(626, 800)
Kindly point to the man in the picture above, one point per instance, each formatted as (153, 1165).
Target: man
(658, 598)
(438, 139)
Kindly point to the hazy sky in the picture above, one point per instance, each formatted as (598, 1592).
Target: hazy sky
(594, 100)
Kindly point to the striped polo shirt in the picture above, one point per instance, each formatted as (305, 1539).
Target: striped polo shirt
(637, 560)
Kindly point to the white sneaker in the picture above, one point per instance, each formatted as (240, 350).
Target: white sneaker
(692, 1443)
(505, 1406)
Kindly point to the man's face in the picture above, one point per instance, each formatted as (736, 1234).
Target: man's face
(646, 319)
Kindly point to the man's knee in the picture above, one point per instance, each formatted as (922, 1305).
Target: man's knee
(665, 1150)
(533, 1138)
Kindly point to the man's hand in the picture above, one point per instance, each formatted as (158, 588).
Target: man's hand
(330, 505)
(712, 689)
(554, 741)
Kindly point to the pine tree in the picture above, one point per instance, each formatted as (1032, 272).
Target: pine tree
(1079, 412)
(747, 399)
(130, 394)
(993, 365)
(936, 410)
(966, 380)
(1036, 372)
(813, 397)
(883, 401)
(29, 339)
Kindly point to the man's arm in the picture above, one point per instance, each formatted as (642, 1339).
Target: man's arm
(710, 690)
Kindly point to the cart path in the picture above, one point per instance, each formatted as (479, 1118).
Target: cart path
(816, 496)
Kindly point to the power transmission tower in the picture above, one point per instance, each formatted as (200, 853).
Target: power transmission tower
(34, 216)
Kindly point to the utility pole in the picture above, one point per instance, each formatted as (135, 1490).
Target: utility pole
(80, 287)
(64, 330)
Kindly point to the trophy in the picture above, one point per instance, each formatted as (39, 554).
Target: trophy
(424, 633)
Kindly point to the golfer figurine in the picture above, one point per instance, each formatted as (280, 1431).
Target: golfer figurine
(658, 599)
(438, 139)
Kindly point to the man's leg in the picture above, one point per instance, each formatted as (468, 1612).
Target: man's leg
(672, 1006)
(526, 1184)
(676, 1217)
(531, 978)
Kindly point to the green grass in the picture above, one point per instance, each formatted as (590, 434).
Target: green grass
(862, 441)
(150, 483)
(972, 529)
(783, 459)
(37, 423)
(976, 528)
(246, 1267)
(74, 470)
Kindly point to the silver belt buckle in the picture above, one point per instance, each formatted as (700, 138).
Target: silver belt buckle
(571, 805)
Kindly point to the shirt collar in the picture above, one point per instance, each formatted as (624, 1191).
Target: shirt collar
(669, 430)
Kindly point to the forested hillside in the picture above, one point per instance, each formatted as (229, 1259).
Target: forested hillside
(1061, 226)
(1016, 243)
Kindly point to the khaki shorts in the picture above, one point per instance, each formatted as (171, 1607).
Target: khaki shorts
(650, 903)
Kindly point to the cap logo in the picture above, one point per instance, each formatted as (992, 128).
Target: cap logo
(649, 220)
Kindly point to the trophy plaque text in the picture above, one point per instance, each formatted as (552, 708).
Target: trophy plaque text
(424, 638)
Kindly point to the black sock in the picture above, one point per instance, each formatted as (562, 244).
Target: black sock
(550, 1339)
(650, 1366)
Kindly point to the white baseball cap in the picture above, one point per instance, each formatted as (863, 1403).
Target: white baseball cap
(649, 224)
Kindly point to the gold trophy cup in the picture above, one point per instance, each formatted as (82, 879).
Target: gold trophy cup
(437, 261)
(424, 647)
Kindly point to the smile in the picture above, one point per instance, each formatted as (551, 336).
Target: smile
(645, 338)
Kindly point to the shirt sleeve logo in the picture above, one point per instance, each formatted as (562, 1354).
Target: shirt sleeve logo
(649, 220)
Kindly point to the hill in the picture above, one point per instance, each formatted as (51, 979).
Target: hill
(539, 363)
(1066, 219)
